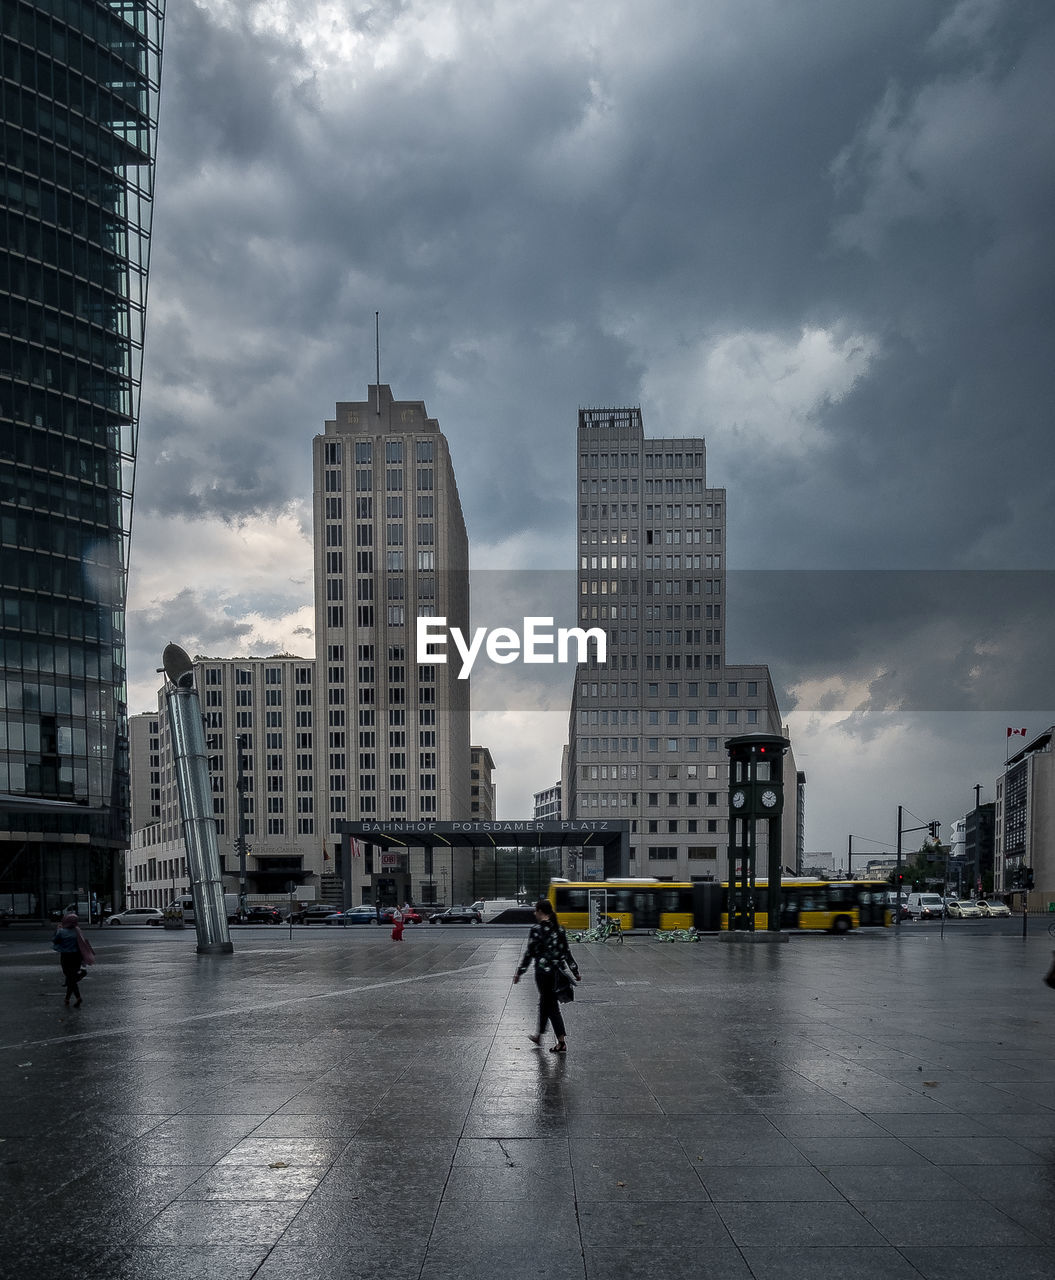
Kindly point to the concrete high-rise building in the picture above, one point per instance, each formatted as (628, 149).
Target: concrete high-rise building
(390, 546)
(647, 731)
(482, 799)
(81, 95)
(261, 717)
(1024, 824)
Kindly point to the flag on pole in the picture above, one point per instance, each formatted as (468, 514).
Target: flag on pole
(357, 851)
(1016, 733)
(325, 855)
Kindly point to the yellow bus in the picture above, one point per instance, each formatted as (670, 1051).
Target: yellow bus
(836, 906)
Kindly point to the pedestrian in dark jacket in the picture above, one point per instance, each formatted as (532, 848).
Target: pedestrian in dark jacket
(548, 948)
(74, 951)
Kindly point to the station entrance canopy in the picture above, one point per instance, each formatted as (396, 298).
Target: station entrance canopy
(612, 835)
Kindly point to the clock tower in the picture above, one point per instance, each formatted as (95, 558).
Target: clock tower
(756, 805)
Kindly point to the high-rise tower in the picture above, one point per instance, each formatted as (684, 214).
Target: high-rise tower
(390, 545)
(647, 731)
(80, 83)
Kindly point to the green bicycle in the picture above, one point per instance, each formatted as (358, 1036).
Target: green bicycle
(608, 929)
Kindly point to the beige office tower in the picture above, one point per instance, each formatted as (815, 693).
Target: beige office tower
(390, 546)
(647, 730)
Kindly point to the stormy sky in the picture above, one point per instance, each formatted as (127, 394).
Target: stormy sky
(818, 234)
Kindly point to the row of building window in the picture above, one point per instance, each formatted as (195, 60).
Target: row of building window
(333, 451)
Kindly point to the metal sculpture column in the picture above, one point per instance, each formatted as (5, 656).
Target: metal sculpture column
(195, 798)
(756, 796)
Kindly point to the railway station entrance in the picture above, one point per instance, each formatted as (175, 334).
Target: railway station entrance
(449, 863)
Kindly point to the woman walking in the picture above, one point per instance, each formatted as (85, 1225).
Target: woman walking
(73, 948)
(548, 948)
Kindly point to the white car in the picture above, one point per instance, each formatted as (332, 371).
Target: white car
(991, 907)
(137, 915)
(963, 909)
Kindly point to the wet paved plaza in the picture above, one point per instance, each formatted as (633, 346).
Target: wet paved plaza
(342, 1106)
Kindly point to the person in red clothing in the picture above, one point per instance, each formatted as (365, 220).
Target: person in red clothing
(397, 925)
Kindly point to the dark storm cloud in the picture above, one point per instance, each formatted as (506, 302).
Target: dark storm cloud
(534, 224)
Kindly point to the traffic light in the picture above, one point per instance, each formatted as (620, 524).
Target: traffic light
(933, 827)
(1029, 877)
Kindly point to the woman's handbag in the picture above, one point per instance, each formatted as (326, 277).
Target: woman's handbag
(85, 948)
(564, 986)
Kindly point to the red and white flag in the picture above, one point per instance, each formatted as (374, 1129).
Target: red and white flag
(357, 851)
(325, 855)
(1016, 733)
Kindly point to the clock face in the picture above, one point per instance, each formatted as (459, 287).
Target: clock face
(769, 799)
(738, 799)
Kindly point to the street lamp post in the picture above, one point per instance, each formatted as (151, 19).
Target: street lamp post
(927, 826)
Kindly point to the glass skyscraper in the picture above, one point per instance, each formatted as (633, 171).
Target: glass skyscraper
(80, 103)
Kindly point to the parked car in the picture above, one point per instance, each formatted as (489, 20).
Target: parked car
(457, 915)
(263, 915)
(963, 909)
(137, 915)
(992, 907)
(410, 915)
(7, 914)
(354, 915)
(313, 912)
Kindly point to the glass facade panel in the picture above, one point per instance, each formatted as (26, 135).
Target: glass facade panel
(80, 83)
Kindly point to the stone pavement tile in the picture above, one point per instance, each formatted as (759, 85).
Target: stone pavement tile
(474, 1183)
(874, 1102)
(652, 1131)
(938, 1124)
(527, 1124)
(865, 1183)
(321, 1124)
(1004, 1184)
(1024, 1125)
(719, 1263)
(863, 1262)
(758, 1148)
(636, 1179)
(980, 1099)
(526, 1153)
(1029, 1093)
(497, 1225)
(991, 1149)
(585, 1102)
(652, 1224)
(982, 1262)
(385, 1122)
(290, 1150)
(529, 1263)
(243, 1182)
(342, 1181)
(754, 1182)
(373, 1224)
(219, 1222)
(1033, 1210)
(690, 1102)
(966, 1221)
(827, 1152)
(1044, 1146)
(704, 1128)
(371, 1262)
(803, 1102)
(850, 1124)
(793, 1226)
(186, 1262)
